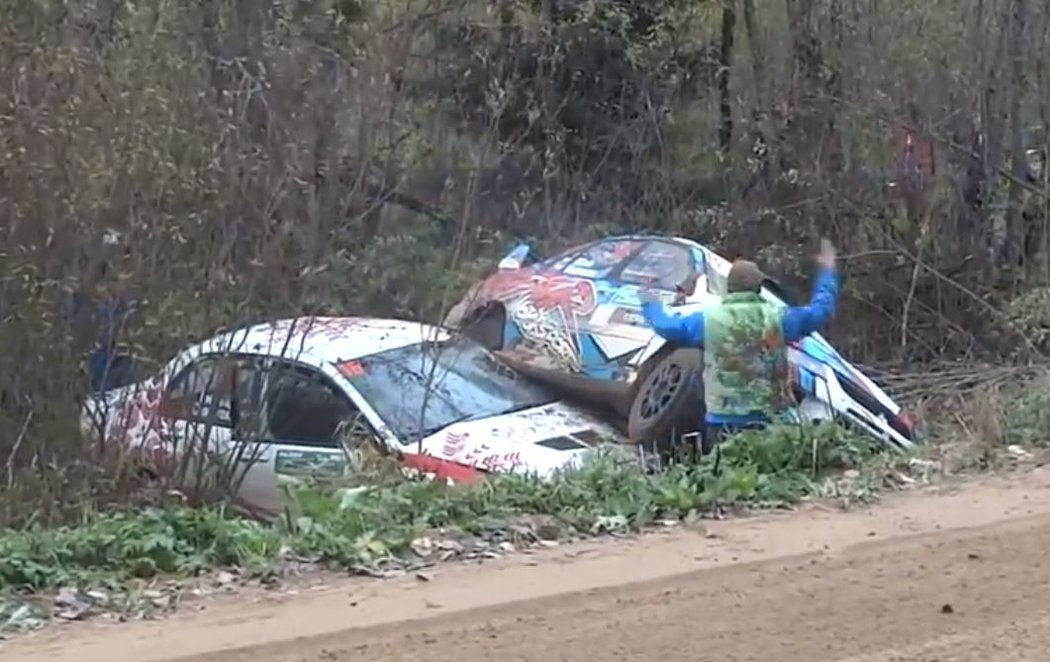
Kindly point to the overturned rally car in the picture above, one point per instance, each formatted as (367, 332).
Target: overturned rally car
(307, 394)
(575, 320)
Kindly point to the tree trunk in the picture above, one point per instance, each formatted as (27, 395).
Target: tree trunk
(1014, 239)
(807, 111)
(1043, 90)
(766, 146)
(725, 65)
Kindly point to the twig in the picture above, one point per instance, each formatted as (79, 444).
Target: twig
(962, 423)
(914, 279)
(955, 381)
(14, 451)
(907, 304)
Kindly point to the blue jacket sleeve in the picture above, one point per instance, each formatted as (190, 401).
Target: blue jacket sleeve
(685, 330)
(800, 321)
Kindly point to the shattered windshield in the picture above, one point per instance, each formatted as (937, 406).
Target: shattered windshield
(420, 389)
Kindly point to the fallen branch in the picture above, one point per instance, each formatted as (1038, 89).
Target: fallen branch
(958, 380)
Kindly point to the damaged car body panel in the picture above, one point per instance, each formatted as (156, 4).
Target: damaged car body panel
(308, 395)
(575, 319)
(579, 312)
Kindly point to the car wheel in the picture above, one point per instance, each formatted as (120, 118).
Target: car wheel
(486, 327)
(668, 401)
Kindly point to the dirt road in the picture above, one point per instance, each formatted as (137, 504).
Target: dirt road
(948, 577)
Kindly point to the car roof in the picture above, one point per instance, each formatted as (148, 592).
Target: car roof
(638, 236)
(647, 236)
(317, 340)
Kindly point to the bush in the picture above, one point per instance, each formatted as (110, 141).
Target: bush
(121, 546)
(1027, 421)
(262, 160)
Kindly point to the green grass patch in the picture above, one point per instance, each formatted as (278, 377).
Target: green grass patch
(362, 527)
(112, 548)
(1027, 422)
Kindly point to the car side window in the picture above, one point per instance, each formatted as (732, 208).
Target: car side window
(213, 389)
(305, 408)
(600, 259)
(663, 264)
(559, 261)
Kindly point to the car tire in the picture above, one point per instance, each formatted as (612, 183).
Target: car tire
(486, 327)
(668, 401)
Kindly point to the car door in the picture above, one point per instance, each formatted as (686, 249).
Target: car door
(573, 290)
(199, 409)
(551, 303)
(617, 323)
(307, 419)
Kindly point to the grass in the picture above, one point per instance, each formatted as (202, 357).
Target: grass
(355, 528)
(118, 547)
(980, 430)
(366, 529)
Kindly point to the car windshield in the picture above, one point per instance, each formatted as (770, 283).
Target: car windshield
(419, 389)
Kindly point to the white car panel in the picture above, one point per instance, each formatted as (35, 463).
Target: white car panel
(133, 415)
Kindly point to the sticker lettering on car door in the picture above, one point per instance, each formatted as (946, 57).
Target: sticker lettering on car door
(309, 463)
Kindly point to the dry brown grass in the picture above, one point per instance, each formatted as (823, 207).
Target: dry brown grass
(979, 418)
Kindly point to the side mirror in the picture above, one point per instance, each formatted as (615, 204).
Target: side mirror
(518, 257)
(686, 290)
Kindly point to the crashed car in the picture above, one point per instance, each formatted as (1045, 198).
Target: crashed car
(306, 394)
(575, 320)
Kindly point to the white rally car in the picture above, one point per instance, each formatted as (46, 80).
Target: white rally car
(303, 394)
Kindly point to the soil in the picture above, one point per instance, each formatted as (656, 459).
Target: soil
(948, 575)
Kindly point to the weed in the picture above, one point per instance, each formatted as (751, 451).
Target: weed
(364, 525)
(1028, 420)
(780, 466)
(980, 429)
(121, 546)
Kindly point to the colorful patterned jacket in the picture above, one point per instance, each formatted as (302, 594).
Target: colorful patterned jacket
(744, 343)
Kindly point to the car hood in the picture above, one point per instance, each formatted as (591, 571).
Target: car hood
(539, 440)
(816, 346)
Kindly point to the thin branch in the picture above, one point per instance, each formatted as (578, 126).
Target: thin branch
(14, 451)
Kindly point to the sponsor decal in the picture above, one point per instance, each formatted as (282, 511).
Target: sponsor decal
(454, 444)
(299, 463)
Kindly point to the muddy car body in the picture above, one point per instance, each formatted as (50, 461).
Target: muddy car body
(307, 393)
(575, 319)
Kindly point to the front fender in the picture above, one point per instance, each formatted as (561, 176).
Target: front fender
(462, 309)
(656, 343)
